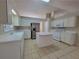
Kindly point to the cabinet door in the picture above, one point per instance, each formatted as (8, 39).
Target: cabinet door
(57, 23)
(22, 48)
(62, 36)
(15, 20)
(3, 12)
(70, 22)
(10, 50)
(60, 23)
(56, 36)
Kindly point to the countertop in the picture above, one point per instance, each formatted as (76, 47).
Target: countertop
(11, 37)
(44, 33)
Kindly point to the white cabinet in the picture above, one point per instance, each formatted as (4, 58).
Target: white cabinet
(27, 34)
(11, 50)
(44, 39)
(68, 37)
(22, 49)
(15, 20)
(64, 22)
(57, 36)
(62, 36)
(57, 23)
(12, 46)
(70, 22)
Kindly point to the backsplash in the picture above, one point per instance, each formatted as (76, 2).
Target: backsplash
(22, 28)
(5, 28)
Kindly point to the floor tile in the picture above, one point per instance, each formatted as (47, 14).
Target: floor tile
(55, 51)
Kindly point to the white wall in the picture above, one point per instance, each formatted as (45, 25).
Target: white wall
(47, 26)
(41, 26)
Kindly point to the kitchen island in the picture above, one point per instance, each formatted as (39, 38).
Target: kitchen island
(44, 39)
(11, 45)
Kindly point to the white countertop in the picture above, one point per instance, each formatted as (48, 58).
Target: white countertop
(11, 37)
(44, 33)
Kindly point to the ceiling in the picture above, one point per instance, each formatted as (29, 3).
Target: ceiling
(37, 8)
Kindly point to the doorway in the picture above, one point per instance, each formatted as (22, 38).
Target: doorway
(35, 27)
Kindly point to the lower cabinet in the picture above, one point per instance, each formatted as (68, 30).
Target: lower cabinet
(65, 36)
(68, 37)
(27, 34)
(57, 36)
(22, 49)
(62, 36)
(11, 50)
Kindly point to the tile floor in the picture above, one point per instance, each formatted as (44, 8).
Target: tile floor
(57, 50)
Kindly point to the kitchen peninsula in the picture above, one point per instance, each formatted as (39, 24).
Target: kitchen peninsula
(11, 45)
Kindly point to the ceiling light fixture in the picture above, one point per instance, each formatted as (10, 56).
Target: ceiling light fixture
(13, 11)
(45, 0)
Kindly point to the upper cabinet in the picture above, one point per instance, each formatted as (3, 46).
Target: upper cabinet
(6, 14)
(64, 22)
(15, 20)
(70, 22)
(57, 23)
(3, 12)
(13, 17)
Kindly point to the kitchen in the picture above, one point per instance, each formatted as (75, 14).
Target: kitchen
(60, 33)
(57, 33)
